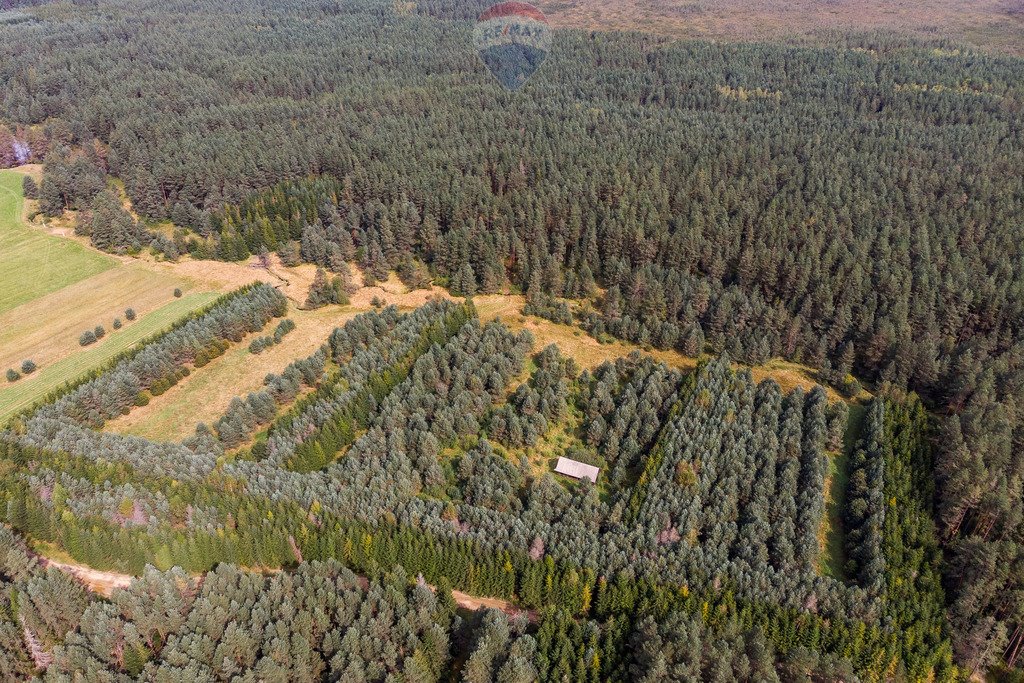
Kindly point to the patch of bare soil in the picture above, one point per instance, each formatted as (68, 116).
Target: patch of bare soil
(104, 583)
(95, 580)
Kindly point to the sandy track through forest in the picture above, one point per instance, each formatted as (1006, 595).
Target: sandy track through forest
(95, 580)
(104, 583)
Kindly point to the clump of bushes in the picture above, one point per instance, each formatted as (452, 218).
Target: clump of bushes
(99, 332)
(129, 314)
(28, 367)
(261, 344)
(283, 328)
(326, 291)
(217, 348)
(13, 375)
(86, 338)
(549, 308)
(177, 293)
(164, 383)
(117, 323)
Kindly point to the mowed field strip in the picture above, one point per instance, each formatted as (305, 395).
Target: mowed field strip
(29, 331)
(53, 288)
(32, 263)
(204, 395)
(22, 394)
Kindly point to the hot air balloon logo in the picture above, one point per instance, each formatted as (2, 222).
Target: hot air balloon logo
(513, 39)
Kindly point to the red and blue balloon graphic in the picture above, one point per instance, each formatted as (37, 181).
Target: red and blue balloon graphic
(513, 39)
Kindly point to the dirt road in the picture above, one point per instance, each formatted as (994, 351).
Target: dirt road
(95, 580)
(104, 583)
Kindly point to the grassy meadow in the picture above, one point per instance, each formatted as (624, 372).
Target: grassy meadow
(33, 263)
(52, 289)
(15, 397)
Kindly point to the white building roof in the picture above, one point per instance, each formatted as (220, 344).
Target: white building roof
(577, 470)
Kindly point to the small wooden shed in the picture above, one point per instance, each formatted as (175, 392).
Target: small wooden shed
(577, 470)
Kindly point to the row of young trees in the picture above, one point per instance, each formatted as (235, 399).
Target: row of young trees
(244, 415)
(536, 403)
(375, 351)
(67, 420)
(624, 405)
(446, 396)
(115, 390)
(891, 540)
(172, 626)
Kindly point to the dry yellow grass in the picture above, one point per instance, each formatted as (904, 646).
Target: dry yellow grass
(218, 275)
(589, 353)
(47, 329)
(19, 395)
(34, 170)
(204, 395)
(574, 342)
(990, 25)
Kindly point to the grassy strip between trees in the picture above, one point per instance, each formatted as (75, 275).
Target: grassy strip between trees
(16, 399)
(127, 353)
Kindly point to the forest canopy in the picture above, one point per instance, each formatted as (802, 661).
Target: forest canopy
(856, 207)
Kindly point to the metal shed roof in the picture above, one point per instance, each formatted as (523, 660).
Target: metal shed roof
(577, 470)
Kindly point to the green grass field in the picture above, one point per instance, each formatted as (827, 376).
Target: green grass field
(52, 288)
(834, 555)
(33, 264)
(22, 394)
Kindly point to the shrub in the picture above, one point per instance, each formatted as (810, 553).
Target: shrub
(283, 328)
(13, 375)
(99, 332)
(30, 188)
(259, 344)
(87, 337)
(117, 323)
(160, 386)
(177, 293)
(325, 291)
(28, 367)
(129, 314)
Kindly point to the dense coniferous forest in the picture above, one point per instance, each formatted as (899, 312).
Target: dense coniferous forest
(413, 448)
(857, 208)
